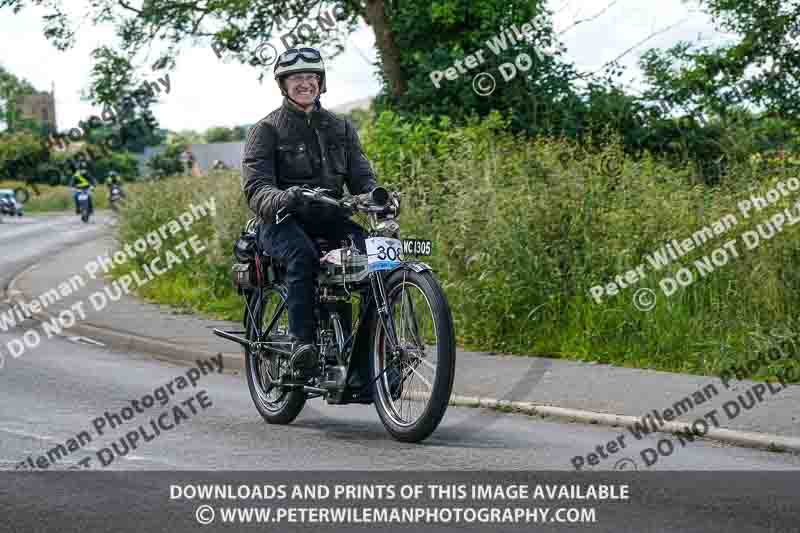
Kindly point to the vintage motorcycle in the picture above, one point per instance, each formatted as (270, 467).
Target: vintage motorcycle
(384, 328)
(115, 196)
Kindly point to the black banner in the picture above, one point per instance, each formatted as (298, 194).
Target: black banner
(391, 501)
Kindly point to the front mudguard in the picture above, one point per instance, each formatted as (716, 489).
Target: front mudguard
(416, 266)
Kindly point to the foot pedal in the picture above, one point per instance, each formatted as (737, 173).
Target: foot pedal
(348, 395)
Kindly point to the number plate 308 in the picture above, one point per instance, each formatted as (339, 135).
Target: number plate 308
(384, 253)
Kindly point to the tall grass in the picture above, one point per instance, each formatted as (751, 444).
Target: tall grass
(524, 229)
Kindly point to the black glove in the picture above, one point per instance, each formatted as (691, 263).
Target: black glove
(295, 200)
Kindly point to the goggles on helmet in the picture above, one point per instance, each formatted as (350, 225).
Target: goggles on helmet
(290, 57)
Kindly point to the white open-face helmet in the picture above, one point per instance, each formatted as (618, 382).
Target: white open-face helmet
(300, 60)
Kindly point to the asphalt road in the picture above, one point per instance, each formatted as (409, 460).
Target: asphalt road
(57, 391)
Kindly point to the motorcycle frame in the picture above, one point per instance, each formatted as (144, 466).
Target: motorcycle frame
(376, 295)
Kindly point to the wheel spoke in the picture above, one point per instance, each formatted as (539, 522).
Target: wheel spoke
(428, 383)
(271, 307)
(425, 362)
(413, 319)
(407, 400)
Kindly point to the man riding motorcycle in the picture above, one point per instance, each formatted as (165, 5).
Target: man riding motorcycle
(115, 192)
(302, 144)
(80, 182)
(113, 181)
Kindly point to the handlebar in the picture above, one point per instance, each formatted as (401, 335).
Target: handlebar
(379, 200)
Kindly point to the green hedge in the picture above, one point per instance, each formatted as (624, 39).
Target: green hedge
(523, 229)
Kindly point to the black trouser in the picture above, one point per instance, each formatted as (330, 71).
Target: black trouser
(291, 241)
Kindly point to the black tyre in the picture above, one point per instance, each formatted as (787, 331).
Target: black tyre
(277, 404)
(85, 215)
(413, 390)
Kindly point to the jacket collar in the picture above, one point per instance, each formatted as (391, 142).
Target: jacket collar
(294, 110)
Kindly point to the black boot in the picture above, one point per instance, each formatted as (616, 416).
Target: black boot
(305, 362)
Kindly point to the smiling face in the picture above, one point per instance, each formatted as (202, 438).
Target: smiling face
(303, 88)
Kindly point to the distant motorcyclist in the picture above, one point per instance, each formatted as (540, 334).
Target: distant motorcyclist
(82, 181)
(114, 181)
(115, 192)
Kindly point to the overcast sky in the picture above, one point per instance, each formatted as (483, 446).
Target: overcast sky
(207, 92)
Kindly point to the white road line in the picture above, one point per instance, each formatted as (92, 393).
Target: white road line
(26, 434)
(85, 448)
(85, 340)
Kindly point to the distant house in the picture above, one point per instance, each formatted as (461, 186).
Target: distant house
(205, 154)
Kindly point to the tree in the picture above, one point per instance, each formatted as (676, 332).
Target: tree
(124, 164)
(168, 162)
(186, 137)
(724, 103)
(414, 39)
(126, 102)
(760, 68)
(22, 155)
(436, 41)
(233, 26)
(221, 134)
(11, 89)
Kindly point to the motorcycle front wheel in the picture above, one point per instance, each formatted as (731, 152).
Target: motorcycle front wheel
(266, 312)
(414, 379)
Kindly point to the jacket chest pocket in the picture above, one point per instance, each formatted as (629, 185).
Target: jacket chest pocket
(337, 155)
(294, 161)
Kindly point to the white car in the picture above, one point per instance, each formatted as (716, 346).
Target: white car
(9, 204)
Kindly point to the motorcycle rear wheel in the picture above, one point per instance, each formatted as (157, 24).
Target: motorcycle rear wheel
(276, 404)
(412, 391)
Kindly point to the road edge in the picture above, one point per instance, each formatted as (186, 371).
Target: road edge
(177, 353)
(123, 340)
